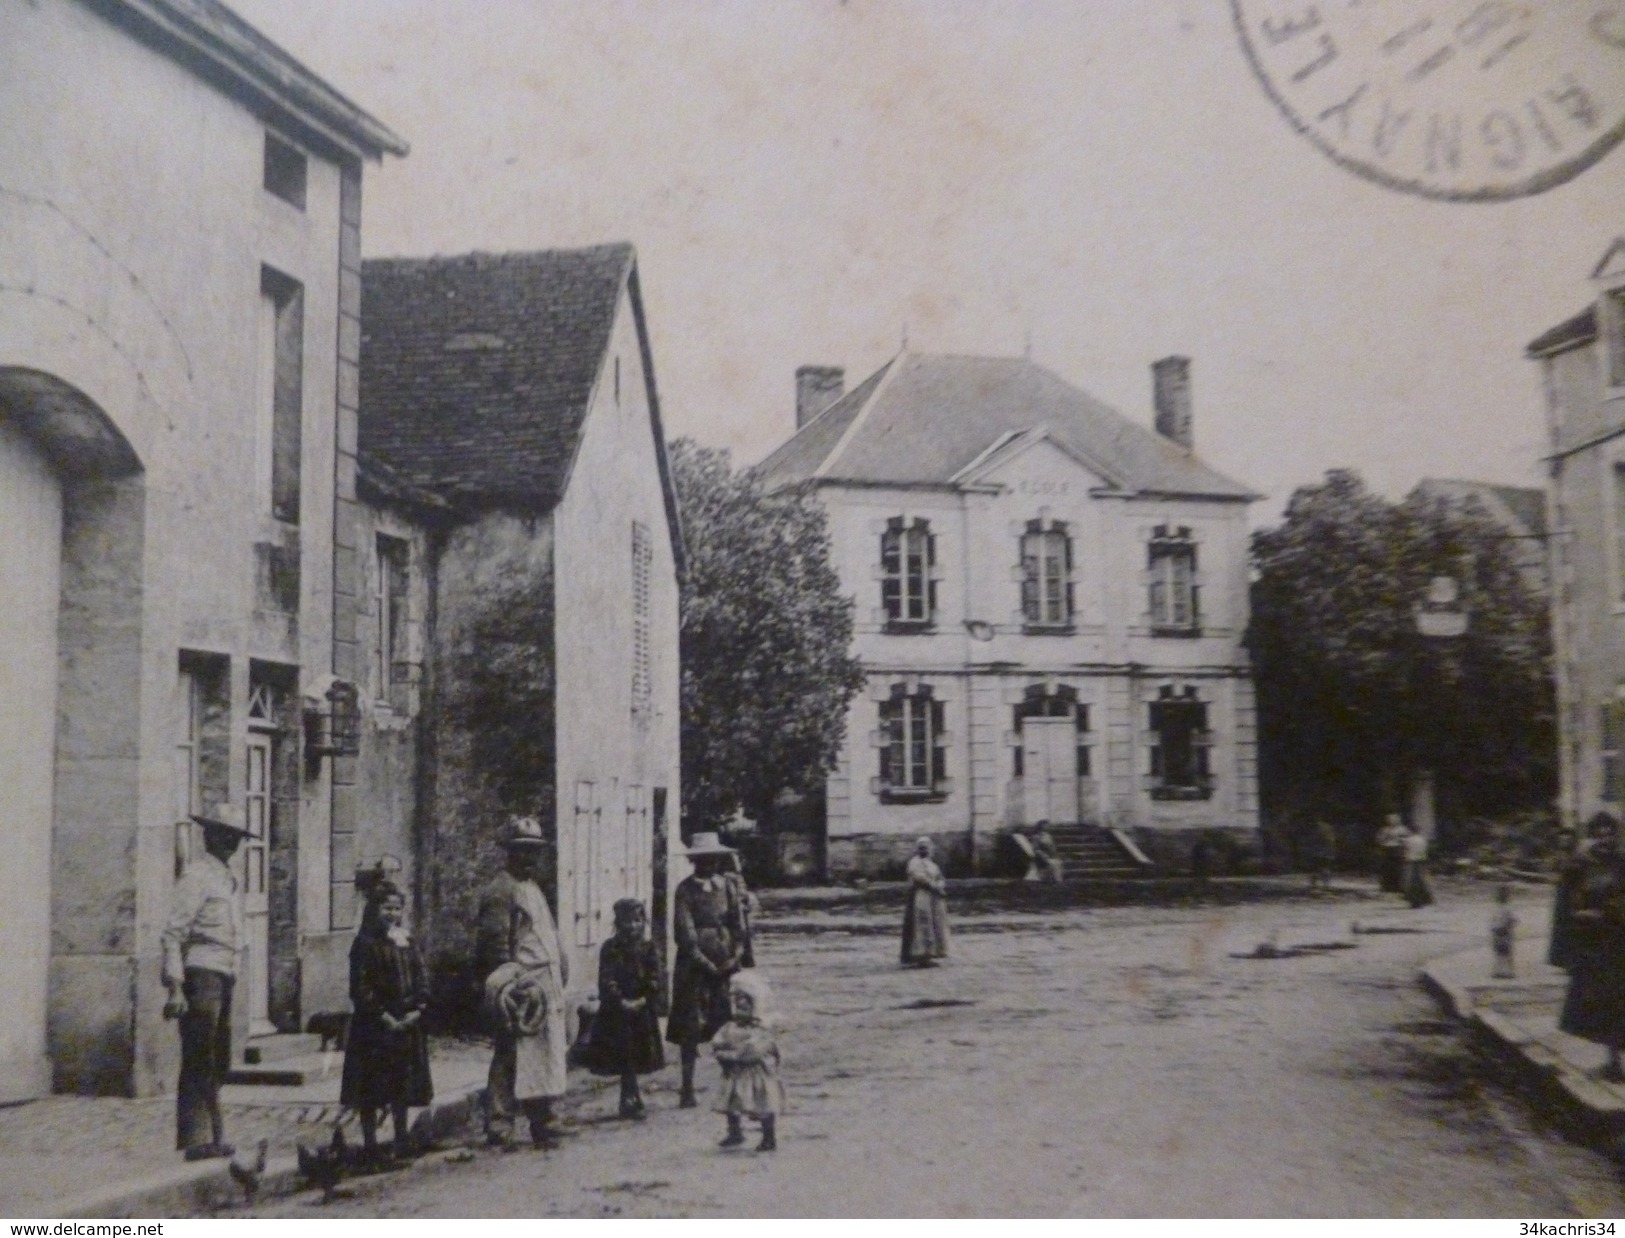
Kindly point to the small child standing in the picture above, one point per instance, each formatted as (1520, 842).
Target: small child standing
(749, 1057)
(625, 1037)
(1503, 926)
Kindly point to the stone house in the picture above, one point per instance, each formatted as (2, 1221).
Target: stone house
(524, 548)
(1582, 362)
(1051, 602)
(180, 207)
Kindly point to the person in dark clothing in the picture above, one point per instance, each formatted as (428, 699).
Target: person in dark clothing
(1594, 1006)
(708, 924)
(625, 1040)
(386, 1059)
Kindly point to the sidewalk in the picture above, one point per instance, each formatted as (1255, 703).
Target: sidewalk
(1515, 1023)
(80, 1156)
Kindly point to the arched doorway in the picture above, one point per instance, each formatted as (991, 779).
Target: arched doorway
(59, 457)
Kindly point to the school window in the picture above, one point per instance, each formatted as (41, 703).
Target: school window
(1180, 746)
(1613, 739)
(907, 560)
(391, 658)
(642, 677)
(1046, 575)
(1174, 597)
(912, 741)
(285, 171)
(1619, 534)
(281, 391)
(1038, 702)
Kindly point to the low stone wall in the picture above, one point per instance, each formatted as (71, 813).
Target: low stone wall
(882, 857)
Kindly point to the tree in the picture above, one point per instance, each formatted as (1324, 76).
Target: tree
(1354, 701)
(767, 676)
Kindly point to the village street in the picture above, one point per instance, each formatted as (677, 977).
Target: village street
(1110, 1062)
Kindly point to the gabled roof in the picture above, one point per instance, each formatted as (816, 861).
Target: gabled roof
(1522, 508)
(1570, 333)
(220, 46)
(477, 371)
(923, 419)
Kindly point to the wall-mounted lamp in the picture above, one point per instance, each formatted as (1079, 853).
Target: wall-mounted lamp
(332, 718)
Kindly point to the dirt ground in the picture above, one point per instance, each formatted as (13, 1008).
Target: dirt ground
(1110, 1062)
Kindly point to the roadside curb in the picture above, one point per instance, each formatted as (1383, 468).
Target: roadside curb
(208, 1187)
(1563, 1091)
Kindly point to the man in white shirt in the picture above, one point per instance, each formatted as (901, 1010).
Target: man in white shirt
(200, 944)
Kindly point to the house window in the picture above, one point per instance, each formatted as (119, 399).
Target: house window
(642, 678)
(1180, 744)
(1613, 739)
(284, 171)
(1619, 533)
(391, 662)
(1046, 575)
(1061, 703)
(1613, 319)
(1175, 600)
(913, 756)
(281, 384)
(907, 559)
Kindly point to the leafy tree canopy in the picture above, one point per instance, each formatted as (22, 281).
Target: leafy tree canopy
(766, 630)
(1353, 699)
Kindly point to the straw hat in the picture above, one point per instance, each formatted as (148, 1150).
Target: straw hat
(706, 844)
(225, 817)
(524, 832)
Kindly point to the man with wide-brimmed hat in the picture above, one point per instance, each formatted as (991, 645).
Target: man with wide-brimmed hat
(708, 923)
(523, 971)
(200, 969)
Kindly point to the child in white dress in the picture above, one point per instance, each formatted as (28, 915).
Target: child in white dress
(749, 1055)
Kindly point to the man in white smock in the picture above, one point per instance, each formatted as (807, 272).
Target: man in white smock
(524, 973)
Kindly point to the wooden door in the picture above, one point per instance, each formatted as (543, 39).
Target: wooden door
(1049, 765)
(256, 904)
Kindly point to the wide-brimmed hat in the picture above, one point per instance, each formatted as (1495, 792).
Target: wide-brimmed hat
(706, 844)
(524, 832)
(224, 817)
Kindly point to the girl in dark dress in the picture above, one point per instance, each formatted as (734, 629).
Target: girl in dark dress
(708, 925)
(632, 996)
(386, 1061)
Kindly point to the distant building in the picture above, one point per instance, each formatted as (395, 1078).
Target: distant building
(517, 510)
(1051, 602)
(1520, 510)
(1582, 362)
(180, 206)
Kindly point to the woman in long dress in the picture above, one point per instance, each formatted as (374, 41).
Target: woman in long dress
(925, 915)
(1594, 1007)
(708, 927)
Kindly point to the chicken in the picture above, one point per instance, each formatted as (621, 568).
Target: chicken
(325, 1166)
(248, 1176)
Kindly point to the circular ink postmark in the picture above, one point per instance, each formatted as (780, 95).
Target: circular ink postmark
(1463, 100)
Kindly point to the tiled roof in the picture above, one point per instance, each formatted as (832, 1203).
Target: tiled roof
(1580, 329)
(922, 419)
(477, 371)
(252, 63)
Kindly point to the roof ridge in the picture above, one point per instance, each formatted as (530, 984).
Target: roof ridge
(887, 372)
(502, 255)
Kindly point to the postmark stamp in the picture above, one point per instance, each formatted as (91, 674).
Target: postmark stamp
(1461, 100)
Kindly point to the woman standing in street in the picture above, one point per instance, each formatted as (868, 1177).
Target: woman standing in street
(1594, 1008)
(1417, 891)
(708, 925)
(925, 915)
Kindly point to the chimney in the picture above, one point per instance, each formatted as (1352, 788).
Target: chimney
(1171, 396)
(817, 387)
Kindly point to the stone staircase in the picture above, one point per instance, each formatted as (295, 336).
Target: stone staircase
(1094, 853)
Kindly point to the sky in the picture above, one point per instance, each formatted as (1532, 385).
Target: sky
(1097, 184)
